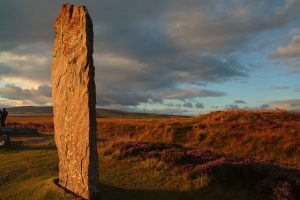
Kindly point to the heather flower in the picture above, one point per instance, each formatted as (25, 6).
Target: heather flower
(199, 161)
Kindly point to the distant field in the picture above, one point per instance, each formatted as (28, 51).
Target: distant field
(133, 168)
(30, 119)
(101, 112)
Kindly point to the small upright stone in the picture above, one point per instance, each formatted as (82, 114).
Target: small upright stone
(74, 100)
(4, 141)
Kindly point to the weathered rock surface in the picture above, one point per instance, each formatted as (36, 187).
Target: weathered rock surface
(74, 98)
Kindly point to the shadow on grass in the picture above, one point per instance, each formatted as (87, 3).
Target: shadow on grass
(18, 135)
(114, 193)
(19, 147)
(207, 193)
(227, 183)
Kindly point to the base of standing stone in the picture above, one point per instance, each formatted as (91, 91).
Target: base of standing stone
(4, 141)
(56, 183)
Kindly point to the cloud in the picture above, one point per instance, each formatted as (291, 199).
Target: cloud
(136, 24)
(232, 106)
(187, 105)
(215, 107)
(33, 67)
(291, 53)
(4, 104)
(122, 96)
(227, 26)
(292, 50)
(40, 96)
(170, 104)
(144, 50)
(240, 102)
(289, 104)
(6, 70)
(122, 80)
(190, 93)
(280, 88)
(265, 106)
(199, 105)
(168, 111)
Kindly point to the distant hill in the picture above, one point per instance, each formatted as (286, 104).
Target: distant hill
(30, 110)
(101, 112)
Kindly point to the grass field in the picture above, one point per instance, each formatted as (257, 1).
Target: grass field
(28, 170)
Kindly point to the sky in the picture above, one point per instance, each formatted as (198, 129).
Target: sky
(182, 57)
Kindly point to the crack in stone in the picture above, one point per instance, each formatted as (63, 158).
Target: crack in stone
(67, 179)
(81, 163)
(83, 191)
(61, 77)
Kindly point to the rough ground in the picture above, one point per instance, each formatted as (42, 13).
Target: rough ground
(230, 155)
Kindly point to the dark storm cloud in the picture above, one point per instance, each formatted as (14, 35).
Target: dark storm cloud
(31, 21)
(224, 26)
(127, 97)
(141, 28)
(5, 70)
(35, 67)
(41, 95)
(26, 22)
(195, 69)
(144, 49)
(209, 68)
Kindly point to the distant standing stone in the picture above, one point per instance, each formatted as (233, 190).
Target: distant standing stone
(4, 141)
(74, 99)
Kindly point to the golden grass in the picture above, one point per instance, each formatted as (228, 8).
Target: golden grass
(27, 172)
(261, 134)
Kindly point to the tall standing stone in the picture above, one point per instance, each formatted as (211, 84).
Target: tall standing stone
(74, 99)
